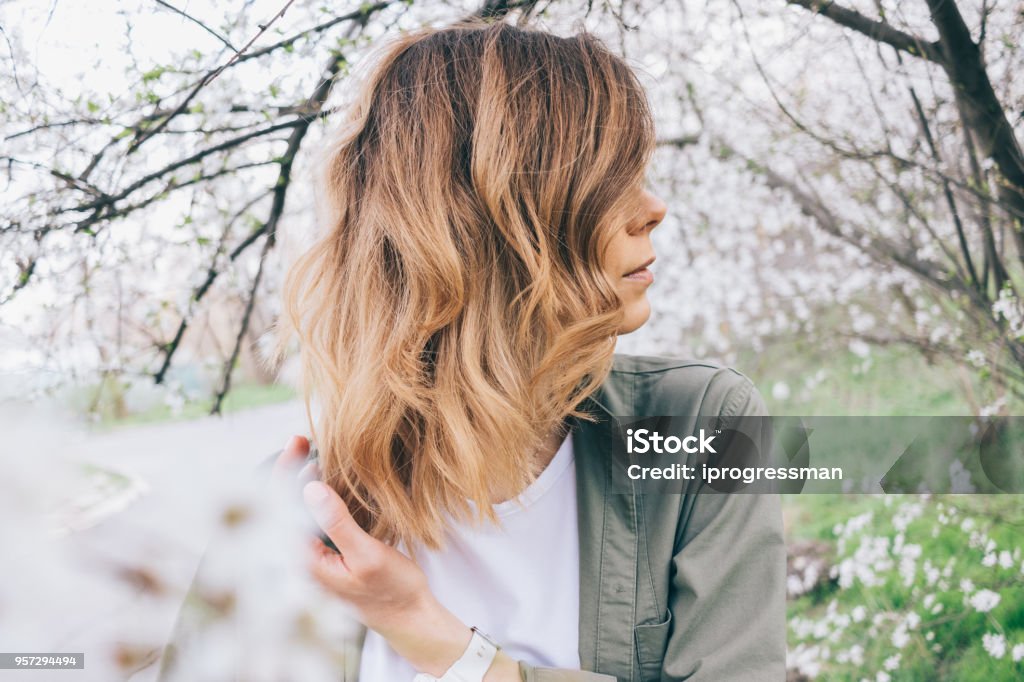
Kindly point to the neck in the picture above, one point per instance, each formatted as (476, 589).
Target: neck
(543, 455)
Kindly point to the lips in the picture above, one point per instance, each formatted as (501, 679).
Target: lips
(640, 268)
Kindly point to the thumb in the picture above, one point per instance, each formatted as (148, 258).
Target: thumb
(334, 518)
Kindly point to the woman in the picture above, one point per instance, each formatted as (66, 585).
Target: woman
(489, 238)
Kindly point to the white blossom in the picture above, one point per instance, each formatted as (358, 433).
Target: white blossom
(995, 644)
(976, 358)
(985, 600)
(900, 638)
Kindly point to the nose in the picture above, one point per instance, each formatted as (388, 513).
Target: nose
(654, 210)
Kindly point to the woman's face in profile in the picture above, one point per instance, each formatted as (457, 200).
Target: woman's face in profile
(629, 253)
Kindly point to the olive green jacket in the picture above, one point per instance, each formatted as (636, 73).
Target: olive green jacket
(672, 586)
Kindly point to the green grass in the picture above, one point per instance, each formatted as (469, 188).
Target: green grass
(958, 628)
(898, 382)
(891, 381)
(241, 397)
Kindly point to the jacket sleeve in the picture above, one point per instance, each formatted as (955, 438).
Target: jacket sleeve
(727, 595)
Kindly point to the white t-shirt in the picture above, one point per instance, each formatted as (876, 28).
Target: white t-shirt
(518, 583)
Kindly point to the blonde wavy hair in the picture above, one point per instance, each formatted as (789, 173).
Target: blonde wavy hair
(456, 310)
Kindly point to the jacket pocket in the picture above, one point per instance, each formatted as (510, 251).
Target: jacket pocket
(651, 640)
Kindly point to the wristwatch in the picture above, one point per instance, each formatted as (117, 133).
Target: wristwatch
(473, 664)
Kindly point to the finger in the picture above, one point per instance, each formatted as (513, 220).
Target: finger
(310, 472)
(326, 566)
(333, 517)
(294, 453)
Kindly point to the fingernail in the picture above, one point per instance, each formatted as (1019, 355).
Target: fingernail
(293, 443)
(315, 493)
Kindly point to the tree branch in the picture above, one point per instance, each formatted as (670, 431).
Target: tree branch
(109, 199)
(269, 228)
(229, 366)
(876, 30)
(204, 82)
(198, 23)
(983, 113)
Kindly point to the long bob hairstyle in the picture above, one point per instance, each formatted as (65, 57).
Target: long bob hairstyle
(457, 310)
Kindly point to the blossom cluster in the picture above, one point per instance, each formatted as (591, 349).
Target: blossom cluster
(920, 587)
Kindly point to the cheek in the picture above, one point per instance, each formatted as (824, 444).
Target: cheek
(615, 259)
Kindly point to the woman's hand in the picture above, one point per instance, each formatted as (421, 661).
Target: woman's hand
(387, 589)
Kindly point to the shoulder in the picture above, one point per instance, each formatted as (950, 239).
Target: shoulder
(655, 385)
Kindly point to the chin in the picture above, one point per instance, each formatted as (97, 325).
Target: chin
(636, 316)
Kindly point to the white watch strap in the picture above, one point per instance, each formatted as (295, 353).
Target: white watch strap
(471, 666)
(475, 661)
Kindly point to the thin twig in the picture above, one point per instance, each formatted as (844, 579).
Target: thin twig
(203, 26)
(204, 82)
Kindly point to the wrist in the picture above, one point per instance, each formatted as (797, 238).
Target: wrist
(482, 661)
(431, 638)
(503, 669)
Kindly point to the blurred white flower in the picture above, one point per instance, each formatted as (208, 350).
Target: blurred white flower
(1017, 653)
(907, 513)
(995, 644)
(984, 601)
(780, 390)
(993, 408)
(1005, 559)
(989, 559)
(859, 348)
(805, 659)
(959, 478)
(900, 638)
(859, 612)
(1008, 307)
(892, 662)
(976, 358)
